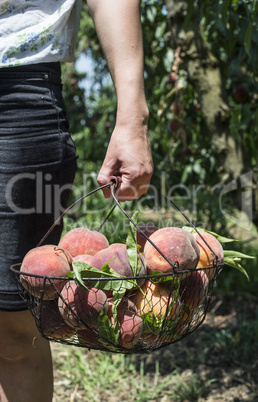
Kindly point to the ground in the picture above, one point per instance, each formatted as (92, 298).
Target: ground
(221, 355)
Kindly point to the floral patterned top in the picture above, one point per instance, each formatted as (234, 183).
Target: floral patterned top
(38, 31)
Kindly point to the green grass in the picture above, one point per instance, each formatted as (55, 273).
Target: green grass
(114, 377)
(238, 343)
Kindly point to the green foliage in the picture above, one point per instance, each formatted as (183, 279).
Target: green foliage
(229, 280)
(185, 165)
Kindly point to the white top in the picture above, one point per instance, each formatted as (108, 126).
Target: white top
(38, 31)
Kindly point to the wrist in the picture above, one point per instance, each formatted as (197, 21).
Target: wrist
(132, 112)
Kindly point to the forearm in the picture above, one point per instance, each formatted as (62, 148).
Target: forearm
(119, 32)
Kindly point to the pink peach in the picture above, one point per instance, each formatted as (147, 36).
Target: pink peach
(177, 245)
(45, 261)
(83, 241)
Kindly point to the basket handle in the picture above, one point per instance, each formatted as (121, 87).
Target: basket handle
(114, 181)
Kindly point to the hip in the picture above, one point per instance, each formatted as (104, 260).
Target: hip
(34, 130)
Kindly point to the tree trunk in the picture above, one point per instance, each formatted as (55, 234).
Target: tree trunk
(204, 74)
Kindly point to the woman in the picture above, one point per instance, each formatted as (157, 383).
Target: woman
(36, 152)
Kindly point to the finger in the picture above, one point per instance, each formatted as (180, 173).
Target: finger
(126, 192)
(129, 192)
(102, 180)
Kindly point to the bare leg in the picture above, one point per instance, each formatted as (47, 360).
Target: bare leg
(26, 373)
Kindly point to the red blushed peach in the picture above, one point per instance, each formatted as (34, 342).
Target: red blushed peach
(177, 245)
(66, 305)
(51, 322)
(140, 238)
(83, 241)
(126, 304)
(206, 256)
(117, 258)
(120, 246)
(156, 301)
(131, 327)
(89, 304)
(46, 261)
(84, 258)
(81, 308)
(193, 290)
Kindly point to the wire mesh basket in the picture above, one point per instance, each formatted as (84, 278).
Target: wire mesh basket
(101, 309)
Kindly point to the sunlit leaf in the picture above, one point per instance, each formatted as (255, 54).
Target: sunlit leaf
(131, 246)
(234, 262)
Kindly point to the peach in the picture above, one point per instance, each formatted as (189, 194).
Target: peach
(131, 327)
(89, 304)
(177, 245)
(206, 256)
(119, 246)
(155, 300)
(126, 304)
(81, 308)
(140, 238)
(193, 289)
(84, 258)
(51, 322)
(117, 258)
(66, 305)
(83, 241)
(45, 261)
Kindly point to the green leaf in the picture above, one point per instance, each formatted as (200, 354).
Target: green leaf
(224, 11)
(82, 270)
(151, 13)
(131, 246)
(221, 239)
(248, 38)
(236, 254)
(165, 280)
(168, 60)
(151, 324)
(76, 276)
(108, 334)
(160, 30)
(117, 298)
(233, 262)
(161, 280)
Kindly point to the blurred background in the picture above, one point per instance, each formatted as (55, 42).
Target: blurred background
(201, 62)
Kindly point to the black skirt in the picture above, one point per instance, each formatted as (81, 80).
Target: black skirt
(37, 166)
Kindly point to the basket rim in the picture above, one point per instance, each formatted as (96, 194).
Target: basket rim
(157, 276)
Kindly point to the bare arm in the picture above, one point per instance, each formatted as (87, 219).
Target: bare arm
(118, 27)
